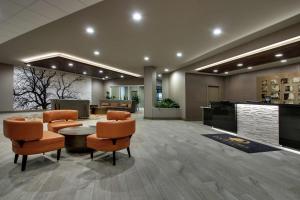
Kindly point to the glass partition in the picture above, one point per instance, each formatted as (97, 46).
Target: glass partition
(127, 92)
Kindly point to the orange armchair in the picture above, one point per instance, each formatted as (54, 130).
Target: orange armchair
(28, 138)
(112, 136)
(59, 119)
(118, 115)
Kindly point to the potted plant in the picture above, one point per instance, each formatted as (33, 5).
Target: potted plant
(135, 101)
(167, 103)
(166, 109)
(107, 95)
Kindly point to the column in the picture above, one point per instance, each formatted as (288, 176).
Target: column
(149, 90)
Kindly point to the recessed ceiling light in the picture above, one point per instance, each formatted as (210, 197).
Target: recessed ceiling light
(216, 71)
(278, 55)
(122, 76)
(240, 65)
(90, 30)
(71, 64)
(283, 61)
(84, 72)
(106, 77)
(159, 75)
(100, 71)
(96, 53)
(146, 58)
(179, 54)
(137, 16)
(249, 67)
(217, 31)
(53, 67)
(166, 70)
(226, 72)
(28, 64)
(103, 78)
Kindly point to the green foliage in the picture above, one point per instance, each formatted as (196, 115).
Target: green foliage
(167, 103)
(136, 99)
(107, 95)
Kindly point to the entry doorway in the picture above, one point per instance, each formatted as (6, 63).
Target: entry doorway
(213, 94)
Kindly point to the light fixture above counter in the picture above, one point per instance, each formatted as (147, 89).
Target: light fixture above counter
(280, 53)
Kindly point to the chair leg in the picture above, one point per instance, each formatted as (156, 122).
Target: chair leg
(58, 154)
(114, 158)
(24, 161)
(128, 151)
(16, 158)
(92, 155)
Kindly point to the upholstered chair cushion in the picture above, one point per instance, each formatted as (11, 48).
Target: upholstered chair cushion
(56, 115)
(49, 142)
(59, 119)
(114, 104)
(104, 144)
(105, 104)
(118, 115)
(115, 129)
(20, 130)
(123, 105)
(57, 125)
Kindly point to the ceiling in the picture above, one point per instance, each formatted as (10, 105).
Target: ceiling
(167, 27)
(20, 16)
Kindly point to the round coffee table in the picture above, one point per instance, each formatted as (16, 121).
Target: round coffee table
(75, 138)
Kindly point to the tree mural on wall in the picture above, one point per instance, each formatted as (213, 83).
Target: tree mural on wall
(34, 87)
(63, 87)
(31, 88)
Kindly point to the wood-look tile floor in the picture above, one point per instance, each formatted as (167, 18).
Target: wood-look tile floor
(171, 160)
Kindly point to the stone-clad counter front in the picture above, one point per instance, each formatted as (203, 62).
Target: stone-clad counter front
(259, 122)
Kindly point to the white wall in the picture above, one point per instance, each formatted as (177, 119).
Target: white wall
(177, 90)
(6, 87)
(165, 86)
(98, 92)
(149, 91)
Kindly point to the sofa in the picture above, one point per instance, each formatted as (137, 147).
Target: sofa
(119, 105)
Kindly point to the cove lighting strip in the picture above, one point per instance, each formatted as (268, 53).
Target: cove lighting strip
(266, 48)
(78, 59)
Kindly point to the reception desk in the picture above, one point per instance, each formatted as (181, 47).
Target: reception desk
(277, 124)
(289, 125)
(224, 116)
(83, 106)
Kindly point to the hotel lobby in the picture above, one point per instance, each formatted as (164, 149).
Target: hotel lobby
(140, 99)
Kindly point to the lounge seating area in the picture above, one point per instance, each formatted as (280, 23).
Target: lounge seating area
(149, 100)
(29, 138)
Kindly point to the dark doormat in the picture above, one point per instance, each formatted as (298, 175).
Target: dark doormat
(242, 144)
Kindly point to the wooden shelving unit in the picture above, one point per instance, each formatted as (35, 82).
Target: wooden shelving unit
(282, 88)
